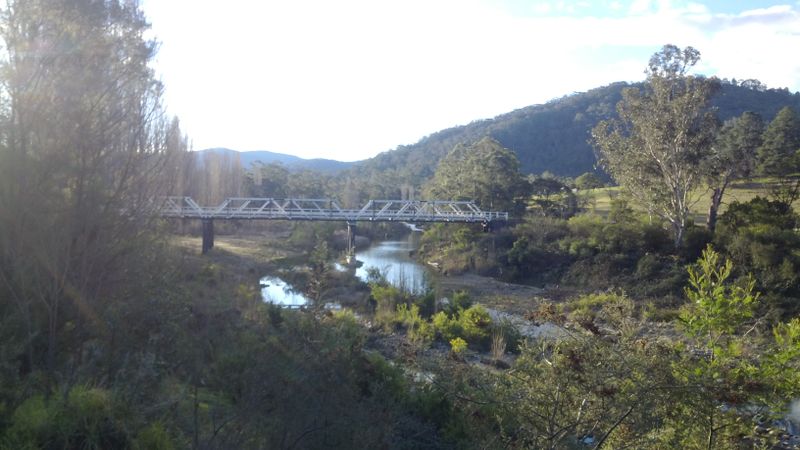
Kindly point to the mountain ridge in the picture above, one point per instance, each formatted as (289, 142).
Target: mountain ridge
(552, 136)
(291, 162)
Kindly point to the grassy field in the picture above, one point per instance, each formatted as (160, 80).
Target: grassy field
(599, 200)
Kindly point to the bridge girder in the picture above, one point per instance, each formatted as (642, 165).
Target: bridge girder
(327, 209)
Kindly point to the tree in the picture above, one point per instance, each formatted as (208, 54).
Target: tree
(268, 180)
(664, 132)
(717, 310)
(588, 181)
(484, 172)
(732, 156)
(552, 197)
(779, 155)
(86, 148)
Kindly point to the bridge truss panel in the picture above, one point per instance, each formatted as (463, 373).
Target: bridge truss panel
(327, 209)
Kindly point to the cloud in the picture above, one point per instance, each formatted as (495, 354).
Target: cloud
(348, 79)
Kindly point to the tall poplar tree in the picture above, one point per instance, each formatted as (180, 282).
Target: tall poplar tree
(85, 149)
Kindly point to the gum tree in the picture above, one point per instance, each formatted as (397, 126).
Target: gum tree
(664, 131)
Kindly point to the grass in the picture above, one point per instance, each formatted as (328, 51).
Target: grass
(599, 200)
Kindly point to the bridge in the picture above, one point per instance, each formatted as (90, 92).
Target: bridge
(250, 208)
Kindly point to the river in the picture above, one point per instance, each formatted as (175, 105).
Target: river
(391, 258)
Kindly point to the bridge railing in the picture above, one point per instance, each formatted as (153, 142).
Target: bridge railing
(328, 209)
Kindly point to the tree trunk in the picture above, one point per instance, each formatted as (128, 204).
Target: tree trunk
(713, 209)
(679, 228)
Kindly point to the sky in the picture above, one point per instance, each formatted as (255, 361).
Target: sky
(348, 79)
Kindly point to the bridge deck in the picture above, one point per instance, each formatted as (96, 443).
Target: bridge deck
(326, 209)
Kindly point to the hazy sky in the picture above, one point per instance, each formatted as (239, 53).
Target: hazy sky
(347, 79)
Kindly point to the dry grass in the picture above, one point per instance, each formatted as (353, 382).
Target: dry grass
(599, 200)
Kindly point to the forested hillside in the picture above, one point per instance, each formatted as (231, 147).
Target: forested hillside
(555, 136)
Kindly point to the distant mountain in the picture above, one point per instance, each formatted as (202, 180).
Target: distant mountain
(291, 162)
(553, 136)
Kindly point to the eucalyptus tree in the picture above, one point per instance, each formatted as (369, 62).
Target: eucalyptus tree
(485, 172)
(664, 132)
(86, 147)
(733, 156)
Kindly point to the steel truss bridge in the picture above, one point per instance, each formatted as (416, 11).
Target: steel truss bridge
(244, 208)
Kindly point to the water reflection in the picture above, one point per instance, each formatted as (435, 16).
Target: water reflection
(393, 260)
(276, 291)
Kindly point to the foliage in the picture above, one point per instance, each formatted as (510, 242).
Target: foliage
(318, 282)
(484, 172)
(550, 136)
(779, 155)
(631, 390)
(419, 330)
(732, 156)
(719, 371)
(446, 326)
(551, 197)
(86, 139)
(664, 132)
(84, 418)
(473, 324)
(458, 346)
(588, 180)
(759, 238)
(717, 309)
(459, 248)
(781, 367)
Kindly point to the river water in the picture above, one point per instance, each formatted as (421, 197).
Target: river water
(391, 258)
(274, 290)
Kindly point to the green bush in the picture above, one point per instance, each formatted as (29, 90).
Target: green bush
(446, 326)
(458, 346)
(153, 437)
(475, 324)
(419, 330)
(759, 238)
(85, 418)
(695, 241)
(648, 266)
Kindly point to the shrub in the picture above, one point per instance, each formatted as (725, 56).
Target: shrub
(457, 347)
(86, 418)
(447, 327)
(420, 331)
(759, 237)
(695, 240)
(648, 266)
(475, 323)
(153, 437)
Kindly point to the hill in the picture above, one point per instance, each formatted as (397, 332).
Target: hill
(293, 163)
(553, 136)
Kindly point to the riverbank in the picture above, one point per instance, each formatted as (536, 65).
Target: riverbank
(249, 257)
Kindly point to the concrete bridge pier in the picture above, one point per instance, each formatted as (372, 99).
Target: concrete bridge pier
(351, 242)
(208, 235)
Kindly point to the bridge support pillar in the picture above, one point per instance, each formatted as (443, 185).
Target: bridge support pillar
(208, 235)
(351, 242)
